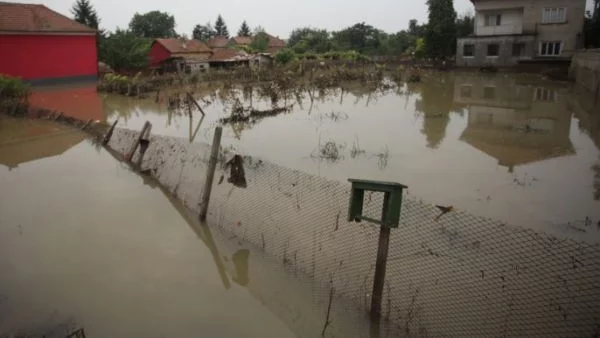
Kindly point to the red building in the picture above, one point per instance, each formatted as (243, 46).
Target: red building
(163, 49)
(43, 46)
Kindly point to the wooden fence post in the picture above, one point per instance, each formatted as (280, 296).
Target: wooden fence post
(109, 133)
(129, 155)
(210, 175)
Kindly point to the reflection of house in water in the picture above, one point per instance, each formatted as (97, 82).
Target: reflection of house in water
(81, 102)
(24, 141)
(513, 121)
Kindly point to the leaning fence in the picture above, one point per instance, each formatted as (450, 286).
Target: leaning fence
(457, 275)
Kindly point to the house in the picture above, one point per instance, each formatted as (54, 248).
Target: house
(182, 55)
(509, 32)
(42, 46)
(515, 121)
(228, 57)
(240, 41)
(274, 45)
(218, 42)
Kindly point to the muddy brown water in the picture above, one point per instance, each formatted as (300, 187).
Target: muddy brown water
(516, 148)
(87, 243)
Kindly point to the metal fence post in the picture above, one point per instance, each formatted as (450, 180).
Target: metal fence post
(210, 175)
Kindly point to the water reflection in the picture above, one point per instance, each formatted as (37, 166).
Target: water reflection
(82, 102)
(512, 121)
(23, 141)
(435, 103)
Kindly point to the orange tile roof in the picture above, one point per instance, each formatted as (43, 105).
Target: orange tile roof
(218, 42)
(30, 18)
(179, 46)
(226, 54)
(275, 41)
(242, 40)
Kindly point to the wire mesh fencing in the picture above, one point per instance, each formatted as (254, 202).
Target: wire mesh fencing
(455, 274)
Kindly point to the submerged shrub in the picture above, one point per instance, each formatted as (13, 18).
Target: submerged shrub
(13, 95)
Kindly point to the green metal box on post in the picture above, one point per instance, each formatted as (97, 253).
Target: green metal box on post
(392, 201)
(390, 218)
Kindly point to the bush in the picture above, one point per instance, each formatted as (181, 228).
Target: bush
(12, 87)
(13, 95)
(284, 56)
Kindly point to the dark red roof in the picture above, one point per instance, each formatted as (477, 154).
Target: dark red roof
(218, 42)
(181, 46)
(275, 41)
(242, 40)
(30, 18)
(225, 54)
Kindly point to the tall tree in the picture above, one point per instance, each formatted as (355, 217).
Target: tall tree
(124, 50)
(440, 34)
(244, 29)
(361, 37)
(153, 25)
(203, 32)
(307, 39)
(84, 13)
(221, 27)
(465, 25)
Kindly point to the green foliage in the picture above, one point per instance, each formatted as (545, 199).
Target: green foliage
(12, 87)
(308, 39)
(465, 25)
(440, 34)
(360, 37)
(203, 32)
(84, 13)
(125, 50)
(221, 27)
(260, 43)
(153, 25)
(285, 55)
(244, 29)
(420, 48)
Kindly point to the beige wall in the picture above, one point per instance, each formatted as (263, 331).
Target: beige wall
(531, 22)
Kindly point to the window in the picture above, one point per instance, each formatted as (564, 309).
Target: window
(468, 50)
(465, 91)
(489, 92)
(550, 48)
(493, 19)
(545, 94)
(493, 49)
(554, 15)
(518, 49)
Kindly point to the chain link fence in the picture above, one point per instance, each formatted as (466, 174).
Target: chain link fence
(456, 274)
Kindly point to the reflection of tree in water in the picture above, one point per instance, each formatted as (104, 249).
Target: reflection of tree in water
(435, 103)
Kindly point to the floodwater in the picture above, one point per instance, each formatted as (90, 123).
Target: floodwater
(85, 243)
(516, 148)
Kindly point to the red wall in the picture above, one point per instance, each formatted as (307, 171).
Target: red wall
(33, 57)
(157, 54)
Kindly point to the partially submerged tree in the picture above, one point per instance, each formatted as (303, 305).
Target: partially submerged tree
(244, 29)
(221, 27)
(84, 13)
(311, 40)
(125, 50)
(440, 34)
(153, 25)
(203, 32)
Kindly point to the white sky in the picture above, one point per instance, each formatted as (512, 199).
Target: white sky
(278, 17)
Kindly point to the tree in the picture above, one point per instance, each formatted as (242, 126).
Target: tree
(260, 42)
(308, 39)
(221, 27)
(125, 50)
(440, 34)
(84, 13)
(244, 29)
(361, 37)
(203, 32)
(465, 25)
(153, 25)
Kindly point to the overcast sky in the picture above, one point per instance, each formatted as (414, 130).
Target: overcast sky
(278, 17)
